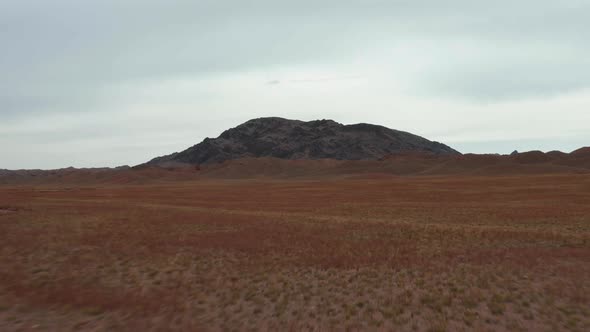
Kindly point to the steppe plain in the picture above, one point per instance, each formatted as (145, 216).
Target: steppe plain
(493, 252)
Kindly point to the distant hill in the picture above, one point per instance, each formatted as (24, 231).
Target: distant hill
(292, 139)
(397, 164)
(281, 148)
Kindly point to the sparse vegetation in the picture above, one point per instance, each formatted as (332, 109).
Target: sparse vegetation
(424, 254)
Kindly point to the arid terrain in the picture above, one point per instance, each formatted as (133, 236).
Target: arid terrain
(286, 166)
(366, 252)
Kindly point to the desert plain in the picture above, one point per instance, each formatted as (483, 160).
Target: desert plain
(344, 253)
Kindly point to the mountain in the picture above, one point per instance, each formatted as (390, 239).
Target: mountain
(294, 139)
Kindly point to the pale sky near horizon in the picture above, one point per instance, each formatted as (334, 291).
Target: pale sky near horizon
(114, 82)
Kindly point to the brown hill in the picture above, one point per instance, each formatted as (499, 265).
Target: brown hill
(401, 164)
(582, 152)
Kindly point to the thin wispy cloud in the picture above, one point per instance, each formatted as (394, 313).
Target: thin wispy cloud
(315, 80)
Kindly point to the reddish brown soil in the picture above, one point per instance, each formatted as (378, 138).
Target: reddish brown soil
(364, 252)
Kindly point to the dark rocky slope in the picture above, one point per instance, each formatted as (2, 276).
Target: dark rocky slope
(293, 139)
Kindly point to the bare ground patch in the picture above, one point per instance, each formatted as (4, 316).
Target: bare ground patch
(8, 210)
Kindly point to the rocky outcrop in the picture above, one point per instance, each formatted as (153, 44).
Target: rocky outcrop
(293, 139)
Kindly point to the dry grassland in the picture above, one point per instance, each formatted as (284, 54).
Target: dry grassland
(391, 253)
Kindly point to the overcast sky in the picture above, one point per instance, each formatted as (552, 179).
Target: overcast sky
(113, 82)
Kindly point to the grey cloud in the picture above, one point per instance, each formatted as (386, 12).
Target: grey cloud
(71, 56)
(70, 46)
(515, 78)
